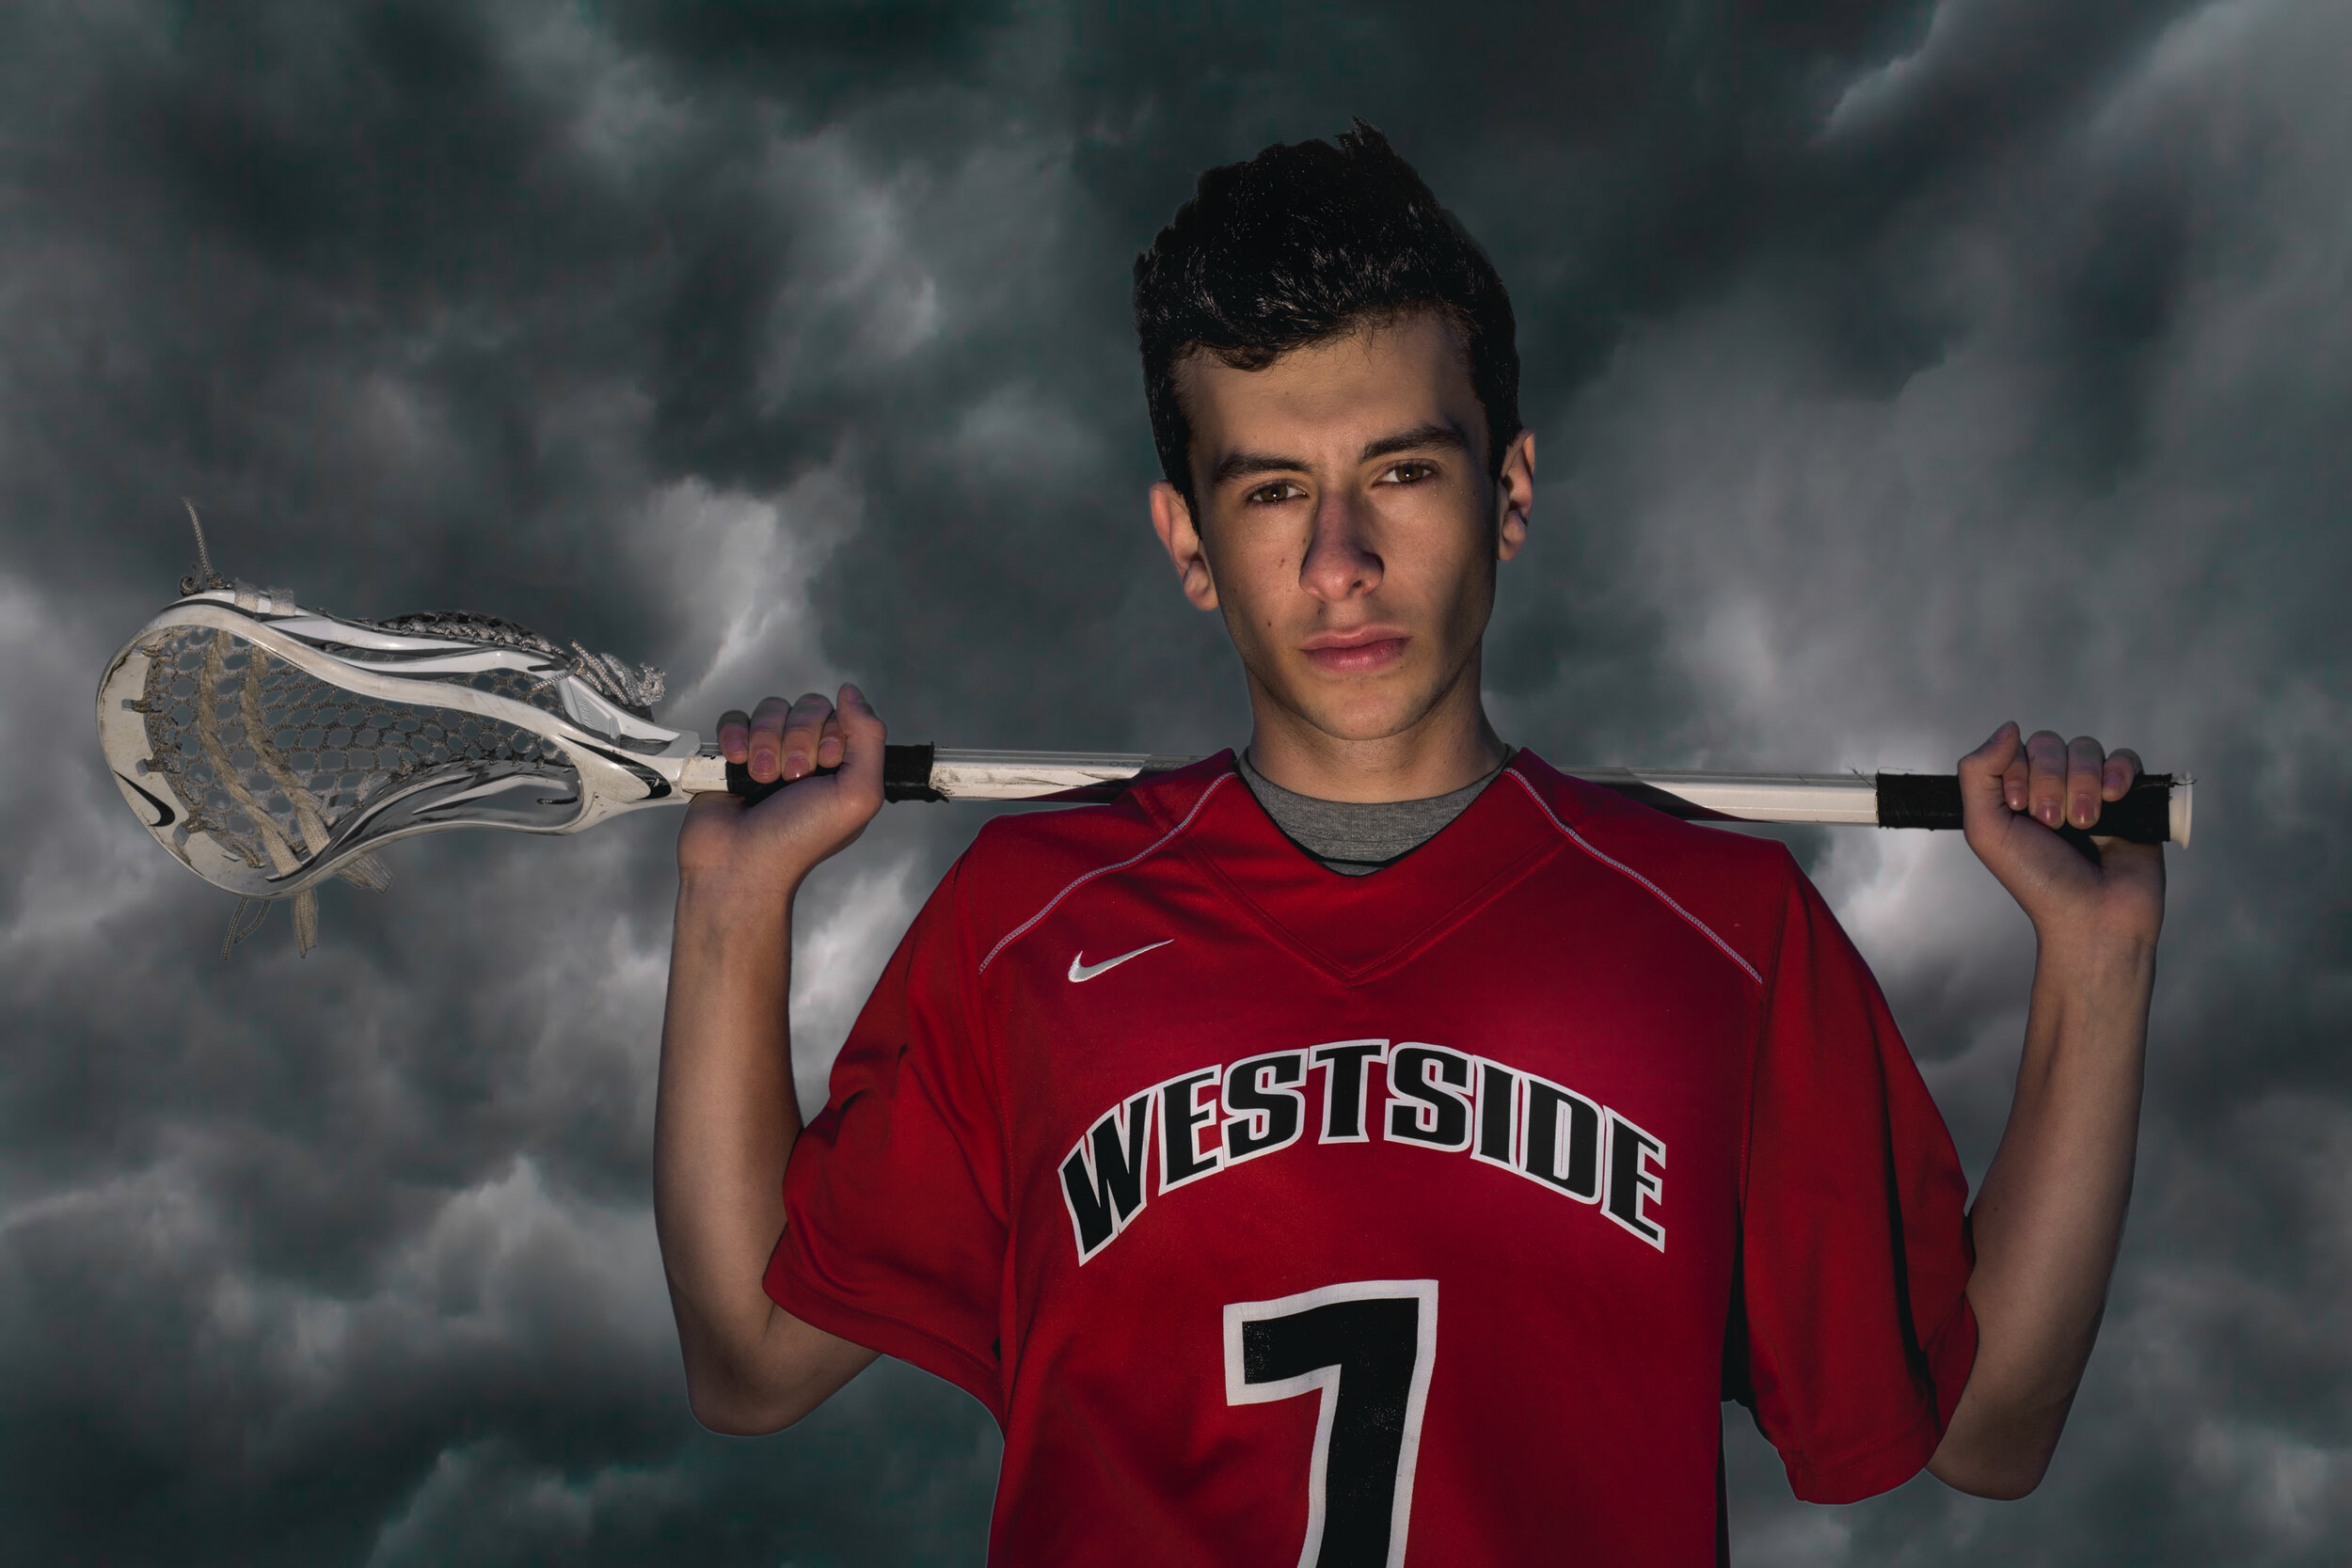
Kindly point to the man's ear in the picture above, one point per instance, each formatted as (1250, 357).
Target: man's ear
(1171, 519)
(1515, 495)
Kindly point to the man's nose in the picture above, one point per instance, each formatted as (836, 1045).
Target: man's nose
(1339, 560)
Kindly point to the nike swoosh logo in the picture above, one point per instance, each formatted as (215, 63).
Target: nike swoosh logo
(165, 814)
(1081, 970)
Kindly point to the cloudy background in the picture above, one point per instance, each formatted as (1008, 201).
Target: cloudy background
(1897, 368)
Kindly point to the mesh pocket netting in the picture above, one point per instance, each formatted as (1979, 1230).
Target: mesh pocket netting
(268, 759)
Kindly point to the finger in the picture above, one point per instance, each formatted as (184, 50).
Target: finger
(734, 735)
(2086, 763)
(862, 736)
(2002, 761)
(1980, 771)
(1983, 785)
(2045, 785)
(829, 742)
(767, 738)
(2016, 777)
(800, 730)
(1988, 760)
(2122, 771)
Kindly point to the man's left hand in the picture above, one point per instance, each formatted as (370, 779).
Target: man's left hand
(2016, 793)
(2049, 1215)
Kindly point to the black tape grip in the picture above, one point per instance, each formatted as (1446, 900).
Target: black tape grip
(2143, 816)
(906, 776)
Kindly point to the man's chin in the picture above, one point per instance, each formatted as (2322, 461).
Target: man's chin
(1359, 709)
(1359, 722)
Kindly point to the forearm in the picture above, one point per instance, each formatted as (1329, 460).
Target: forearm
(2049, 1218)
(725, 1124)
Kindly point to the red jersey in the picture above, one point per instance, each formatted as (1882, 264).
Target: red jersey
(1285, 1217)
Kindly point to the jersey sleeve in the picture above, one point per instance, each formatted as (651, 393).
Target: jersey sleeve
(1854, 1338)
(895, 1208)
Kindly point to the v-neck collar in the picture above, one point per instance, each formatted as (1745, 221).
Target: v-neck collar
(1356, 929)
(1344, 819)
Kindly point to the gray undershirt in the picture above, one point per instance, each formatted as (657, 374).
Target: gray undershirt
(1358, 837)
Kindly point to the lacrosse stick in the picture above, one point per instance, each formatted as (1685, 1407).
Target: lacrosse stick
(267, 747)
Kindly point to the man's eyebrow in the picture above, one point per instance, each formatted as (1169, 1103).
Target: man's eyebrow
(1241, 465)
(1410, 440)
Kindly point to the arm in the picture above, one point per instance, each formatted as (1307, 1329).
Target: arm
(727, 1120)
(2049, 1217)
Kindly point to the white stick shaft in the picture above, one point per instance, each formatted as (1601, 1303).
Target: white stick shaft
(945, 774)
(982, 775)
(976, 775)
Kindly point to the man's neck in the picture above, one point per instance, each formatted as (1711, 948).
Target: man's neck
(1450, 748)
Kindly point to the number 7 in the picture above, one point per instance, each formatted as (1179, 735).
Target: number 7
(1365, 1349)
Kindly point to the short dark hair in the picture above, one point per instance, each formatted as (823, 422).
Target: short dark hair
(1303, 244)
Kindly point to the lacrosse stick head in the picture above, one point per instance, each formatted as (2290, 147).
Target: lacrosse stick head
(266, 745)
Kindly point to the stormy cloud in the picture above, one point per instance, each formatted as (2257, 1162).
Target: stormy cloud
(1896, 369)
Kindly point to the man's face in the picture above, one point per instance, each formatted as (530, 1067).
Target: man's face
(1347, 526)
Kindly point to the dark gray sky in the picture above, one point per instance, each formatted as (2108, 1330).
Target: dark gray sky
(1897, 369)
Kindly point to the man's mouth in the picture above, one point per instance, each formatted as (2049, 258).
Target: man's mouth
(1357, 652)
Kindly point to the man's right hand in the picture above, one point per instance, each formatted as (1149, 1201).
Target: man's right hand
(725, 1119)
(779, 841)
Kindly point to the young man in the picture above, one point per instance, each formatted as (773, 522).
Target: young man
(1377, 1147)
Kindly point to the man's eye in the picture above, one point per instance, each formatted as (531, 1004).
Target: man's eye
(1276, 493)
(1408, 473)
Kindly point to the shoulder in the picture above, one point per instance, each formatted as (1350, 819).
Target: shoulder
(1019, 865)
(1734, 885)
